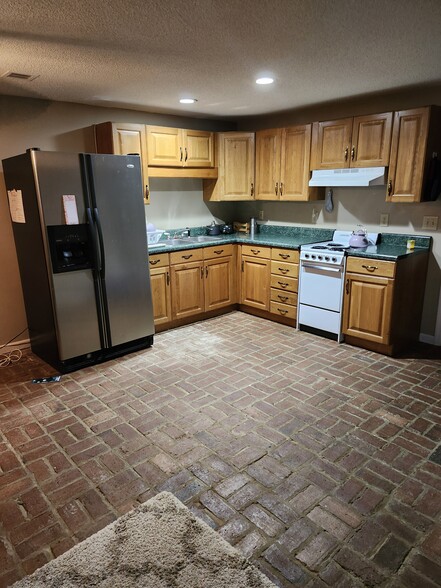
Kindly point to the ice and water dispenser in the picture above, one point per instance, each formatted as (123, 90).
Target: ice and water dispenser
(69, 247)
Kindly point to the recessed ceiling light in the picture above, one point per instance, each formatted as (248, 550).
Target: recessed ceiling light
(264, 81)
(187, 100)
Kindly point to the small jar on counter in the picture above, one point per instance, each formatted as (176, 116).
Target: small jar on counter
(411, 243)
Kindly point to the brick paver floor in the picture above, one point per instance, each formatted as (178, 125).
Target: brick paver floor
(313, 458)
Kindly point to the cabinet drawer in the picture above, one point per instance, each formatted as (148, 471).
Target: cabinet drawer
(218, 251)
(283, 309)
(159, 260)
(281, 268)
(285, 255)
(284, 283)
(282, 297)
(185, 256)
(371, 267)
(256, 251)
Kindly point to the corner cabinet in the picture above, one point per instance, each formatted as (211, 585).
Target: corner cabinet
(124, 139)
(283, 164)
(416, 140)
(172, 147)
(383, 302)
(362, 141)
(235, 164)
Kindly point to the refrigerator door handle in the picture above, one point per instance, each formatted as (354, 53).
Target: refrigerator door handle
(94, 240)
(100, 242)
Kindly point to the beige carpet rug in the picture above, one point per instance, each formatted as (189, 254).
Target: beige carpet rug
(160, 544)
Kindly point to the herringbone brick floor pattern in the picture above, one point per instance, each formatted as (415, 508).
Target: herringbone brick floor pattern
(309, 456)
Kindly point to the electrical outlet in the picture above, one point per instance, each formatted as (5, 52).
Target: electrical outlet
(384, 220)
(430, 223)
(260, 214)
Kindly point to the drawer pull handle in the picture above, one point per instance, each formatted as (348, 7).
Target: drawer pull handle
(282, 298)
(168, 279)
(219, 251)
(346, 153)
(282, 311)
(353, 153)
(252, 189)
(180, 149)
(370, 268)
(284, 255)
(283, 270)
(276, 188)
(281, 188)
(255, 251)
(154, 261)
(389, 187)
(347, 286)
(206, 272)
(283, 284)
(187, 256)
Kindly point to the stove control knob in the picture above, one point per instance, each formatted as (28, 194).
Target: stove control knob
(306, 255)
(334, 259)
(326, 257)
(319, 257)
(312, 256)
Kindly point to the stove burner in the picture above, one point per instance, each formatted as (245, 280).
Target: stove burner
(319, 247)
(335, 244)
(337, 248)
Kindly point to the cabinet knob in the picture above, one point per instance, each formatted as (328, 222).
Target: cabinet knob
(168, 279)
(346, 153)
(147, 192)
(353, 153)
(347, 286)
(389, 187)
(252, 189)
(186, 154)
(276, 188)
(180, 150)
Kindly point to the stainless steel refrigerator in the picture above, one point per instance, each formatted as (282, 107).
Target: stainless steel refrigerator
(80, 234)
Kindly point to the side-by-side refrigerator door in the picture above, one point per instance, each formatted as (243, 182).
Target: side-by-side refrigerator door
(117, 192)
(70, 259)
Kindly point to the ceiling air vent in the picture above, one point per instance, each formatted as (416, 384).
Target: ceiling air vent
(19, 76)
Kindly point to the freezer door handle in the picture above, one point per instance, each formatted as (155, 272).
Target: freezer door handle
(94, 240)
(100, 242)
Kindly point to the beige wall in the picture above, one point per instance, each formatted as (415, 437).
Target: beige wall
(57, 126)
(176, 203)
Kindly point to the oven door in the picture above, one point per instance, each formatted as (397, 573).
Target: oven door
(321, 285)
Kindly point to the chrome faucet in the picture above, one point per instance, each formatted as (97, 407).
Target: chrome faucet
(184, 233)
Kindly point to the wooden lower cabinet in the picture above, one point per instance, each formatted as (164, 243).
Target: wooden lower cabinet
(219, 279)
(367, 307)
(383, 302)
(159, 265)
(284, 282)
(255, 276)
(187, 289)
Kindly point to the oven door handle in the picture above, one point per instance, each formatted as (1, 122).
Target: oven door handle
(325, 268)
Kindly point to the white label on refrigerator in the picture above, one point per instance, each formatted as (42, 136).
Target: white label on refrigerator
(70, 209)
(16, 206)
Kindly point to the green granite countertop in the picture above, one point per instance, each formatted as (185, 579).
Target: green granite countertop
(392, 246)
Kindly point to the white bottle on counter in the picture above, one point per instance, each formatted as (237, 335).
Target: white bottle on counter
(253, 227)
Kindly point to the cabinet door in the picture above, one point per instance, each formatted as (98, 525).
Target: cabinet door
(218, 283)
(407, 155)
(371, 136)
(236, 163)
(255, 284)
(268, 151)
(294, 177)
(332, 140)
(165, 146)
(122, 139)
(187, 289)
(198, 148)
(367, 307)
(160, 285)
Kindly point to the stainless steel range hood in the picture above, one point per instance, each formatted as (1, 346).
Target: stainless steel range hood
(362, 176)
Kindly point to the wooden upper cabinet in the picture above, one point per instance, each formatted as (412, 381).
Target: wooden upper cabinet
(283, 164)
(124, 139)
(171, 147)
(294, 167)
(268, 159)
(363, 141)
(235, 163)
(415, 138)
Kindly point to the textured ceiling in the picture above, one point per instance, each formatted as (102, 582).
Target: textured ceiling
(146, 54)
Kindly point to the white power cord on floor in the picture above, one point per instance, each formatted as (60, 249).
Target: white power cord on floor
(12, 356)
